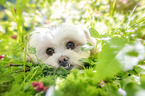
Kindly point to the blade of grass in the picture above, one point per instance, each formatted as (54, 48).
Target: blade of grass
(130, 17)
(112, 7)
(19, 20)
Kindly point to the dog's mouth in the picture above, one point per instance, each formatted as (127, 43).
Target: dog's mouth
(63, 62)
(68, 67)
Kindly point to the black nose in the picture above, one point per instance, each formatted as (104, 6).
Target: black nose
(63, 61)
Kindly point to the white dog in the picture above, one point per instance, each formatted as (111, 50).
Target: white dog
(60, 45)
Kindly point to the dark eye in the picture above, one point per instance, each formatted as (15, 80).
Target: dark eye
(50, 51)
(70, 45)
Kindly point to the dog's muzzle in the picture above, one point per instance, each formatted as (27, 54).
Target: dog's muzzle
(63, 62)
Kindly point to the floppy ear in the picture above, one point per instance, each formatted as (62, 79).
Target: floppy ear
(90, 40)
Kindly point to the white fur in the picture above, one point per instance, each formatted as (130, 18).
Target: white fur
(57, 37)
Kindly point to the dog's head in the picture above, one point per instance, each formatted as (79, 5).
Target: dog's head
(61, 45)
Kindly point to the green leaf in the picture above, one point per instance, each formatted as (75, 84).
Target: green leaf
(128, 80)
(85, 60)
(94, 33)
(29, 63)
(142, 80)
(112, 90)
(87, 47)
(5, 77)
(32, 50)
(61, 71)
(108, 65)
(139, 69)
(132, 89)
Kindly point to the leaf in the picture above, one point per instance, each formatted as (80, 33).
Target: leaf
(112, 90)
(117, 56)
(108, 65)
(32, 50)
(128, 80)
(132, 89)
(142, 80)
(94, 33)
(29, 64)
(87, 47)
(61, 71)
(5, 77)
(86, 60)
(139, 69)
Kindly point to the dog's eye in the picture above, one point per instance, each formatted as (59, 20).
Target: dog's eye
(70, 45)
(50, 51)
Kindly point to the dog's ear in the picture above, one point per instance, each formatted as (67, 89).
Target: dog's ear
(90, 40)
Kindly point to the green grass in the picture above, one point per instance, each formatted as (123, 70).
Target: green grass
(118, 29)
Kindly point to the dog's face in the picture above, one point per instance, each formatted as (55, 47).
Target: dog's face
(61, 45)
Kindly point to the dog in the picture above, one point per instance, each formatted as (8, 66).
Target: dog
(60, 46)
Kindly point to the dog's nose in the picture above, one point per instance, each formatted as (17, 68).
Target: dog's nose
(63, 61)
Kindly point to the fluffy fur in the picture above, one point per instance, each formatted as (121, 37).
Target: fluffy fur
(57, 38)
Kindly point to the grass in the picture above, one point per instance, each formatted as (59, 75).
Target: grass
(118, 29)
